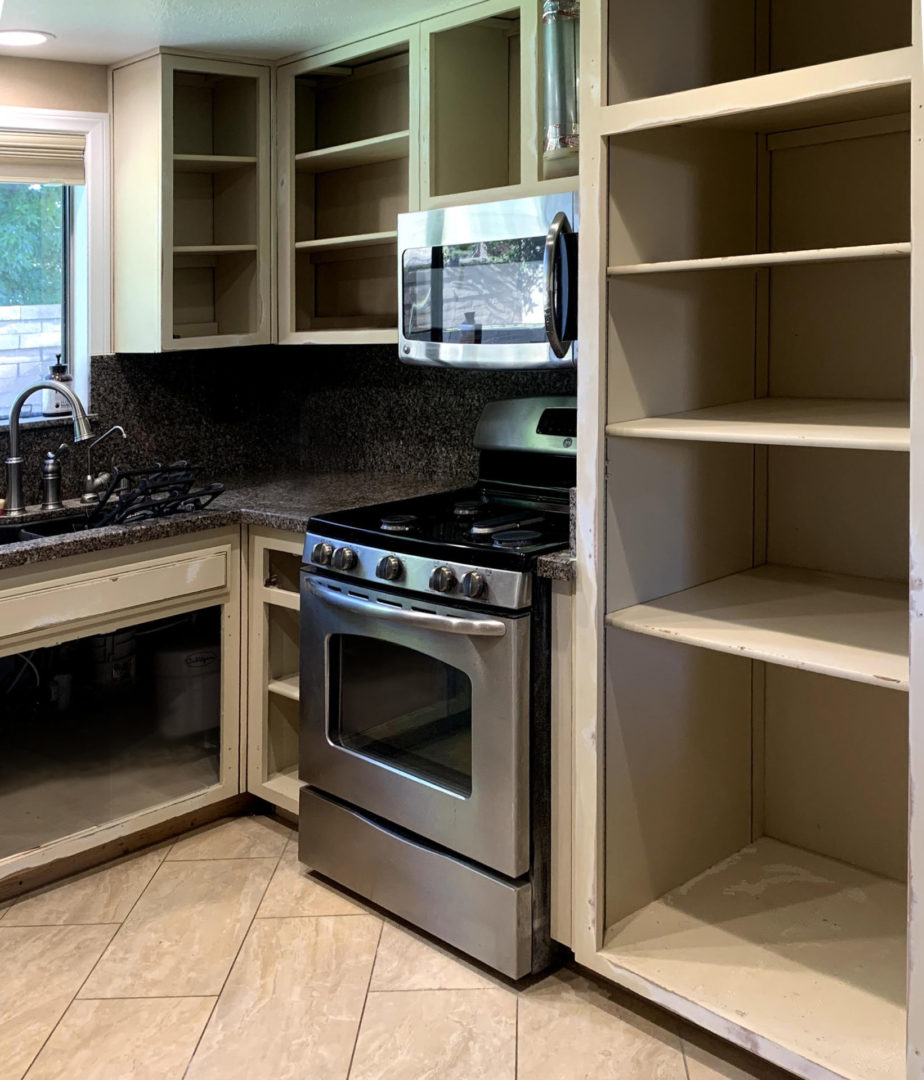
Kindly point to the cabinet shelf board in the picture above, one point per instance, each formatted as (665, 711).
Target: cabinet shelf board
(849, 627)
(857, 88)
(210, 162)
(391, 147)
(800, 951)
(847, 424)
(282, 788)
(360, 240)
(286, 686)
(276, 597)
(766, 258)
(212, 249)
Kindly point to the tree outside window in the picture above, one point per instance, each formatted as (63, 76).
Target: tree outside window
(33, 256)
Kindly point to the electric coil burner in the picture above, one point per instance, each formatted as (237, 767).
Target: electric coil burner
(424, 737)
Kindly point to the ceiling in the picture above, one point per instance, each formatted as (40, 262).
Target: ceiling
(103, 31)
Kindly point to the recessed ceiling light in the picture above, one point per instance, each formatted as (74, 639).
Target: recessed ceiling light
(24, 38)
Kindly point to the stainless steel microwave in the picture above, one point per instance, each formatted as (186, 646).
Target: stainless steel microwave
(491, 285)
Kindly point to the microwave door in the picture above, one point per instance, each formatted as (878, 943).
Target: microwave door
(560, 274)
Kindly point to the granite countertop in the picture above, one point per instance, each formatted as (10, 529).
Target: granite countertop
(283, 501)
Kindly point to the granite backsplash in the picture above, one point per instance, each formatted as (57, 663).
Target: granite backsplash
(330, 409)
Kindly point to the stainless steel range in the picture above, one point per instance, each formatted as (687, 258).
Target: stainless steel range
(424, 735)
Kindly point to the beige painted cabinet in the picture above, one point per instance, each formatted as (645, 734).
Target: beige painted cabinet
(347, 161)
(192, 243)
(742, 654)
(273, 566)
(127, 737)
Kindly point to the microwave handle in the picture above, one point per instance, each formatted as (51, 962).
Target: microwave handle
(422, 620)
(559, 228)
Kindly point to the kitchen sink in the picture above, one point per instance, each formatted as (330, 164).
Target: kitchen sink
(16, 532)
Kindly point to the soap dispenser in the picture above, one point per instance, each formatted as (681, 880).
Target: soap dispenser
(53, 403)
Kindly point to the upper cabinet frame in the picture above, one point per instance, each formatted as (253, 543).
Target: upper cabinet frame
(347, 137)
(192, 237)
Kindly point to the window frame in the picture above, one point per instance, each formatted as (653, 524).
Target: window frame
(89, 307)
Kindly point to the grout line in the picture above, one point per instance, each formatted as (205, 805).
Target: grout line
(118, 926)
(516, 1039)
(150, 997)
(375, 956)
(224, 983)
(224, 858)
(327, 915)
(683, 1054)
(443, 990)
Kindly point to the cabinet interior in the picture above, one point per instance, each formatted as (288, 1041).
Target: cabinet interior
(215, 205)
(756, 656)
(215, 208)
(215, 293)
(475, 105)
(214, 114)
(102, 727)
(351, 142)
(661, 47)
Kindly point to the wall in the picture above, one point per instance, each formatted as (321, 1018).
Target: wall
(241, 411)
(53, 84)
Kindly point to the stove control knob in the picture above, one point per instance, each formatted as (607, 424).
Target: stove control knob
(473, 584)
(343, 559)
(389, 568)
(442, 579)
(322, 553)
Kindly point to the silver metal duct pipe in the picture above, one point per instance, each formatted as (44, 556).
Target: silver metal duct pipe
(561, 46)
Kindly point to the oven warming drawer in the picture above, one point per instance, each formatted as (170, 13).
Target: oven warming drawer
(482, 915)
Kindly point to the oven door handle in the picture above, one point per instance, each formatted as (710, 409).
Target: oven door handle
(422, 620)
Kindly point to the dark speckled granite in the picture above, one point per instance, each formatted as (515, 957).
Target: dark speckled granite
(363, 409)
(284, 502)
(330, 409)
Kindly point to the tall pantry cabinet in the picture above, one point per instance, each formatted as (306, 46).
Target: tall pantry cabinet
(751, 430)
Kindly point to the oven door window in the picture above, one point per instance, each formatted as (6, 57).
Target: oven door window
(487, 293)
(392, 704)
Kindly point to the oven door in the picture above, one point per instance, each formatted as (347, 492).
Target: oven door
(419, 713)
(492, 285)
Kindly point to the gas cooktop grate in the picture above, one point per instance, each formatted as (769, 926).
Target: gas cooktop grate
(156, 492)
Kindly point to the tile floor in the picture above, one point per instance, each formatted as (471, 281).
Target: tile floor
(217, 958)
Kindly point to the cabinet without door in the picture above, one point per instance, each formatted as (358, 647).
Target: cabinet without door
(191, 204)
(741, 832)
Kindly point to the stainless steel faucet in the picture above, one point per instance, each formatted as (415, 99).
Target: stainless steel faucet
(15, 507)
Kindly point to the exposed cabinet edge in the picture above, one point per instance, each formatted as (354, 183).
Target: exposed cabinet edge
(849, 627)
(855, 253)
(872, 85)
(860, 425)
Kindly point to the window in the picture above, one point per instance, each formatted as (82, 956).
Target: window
(54, 250)
(34, 287)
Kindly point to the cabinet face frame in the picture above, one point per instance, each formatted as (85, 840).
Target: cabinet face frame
(142, 94)
(285, 198)
(264, 603)
(143, 579)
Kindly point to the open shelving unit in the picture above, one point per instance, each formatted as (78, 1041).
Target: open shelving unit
(273, 667)
(348, 133)
(192, 203)
(743, 653)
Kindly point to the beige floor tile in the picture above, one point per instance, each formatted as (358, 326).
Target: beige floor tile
(124, 1040)
(103, 895)
(238, 838)
(723, 1061)
(43, 967)
(293, 893)
(437, 1035)
(183, 934)
(292, 1004)
(406, 962)
(570, 1028)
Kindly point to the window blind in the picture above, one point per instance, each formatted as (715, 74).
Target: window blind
(41, 157)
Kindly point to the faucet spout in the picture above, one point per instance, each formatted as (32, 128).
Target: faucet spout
(15, 506)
